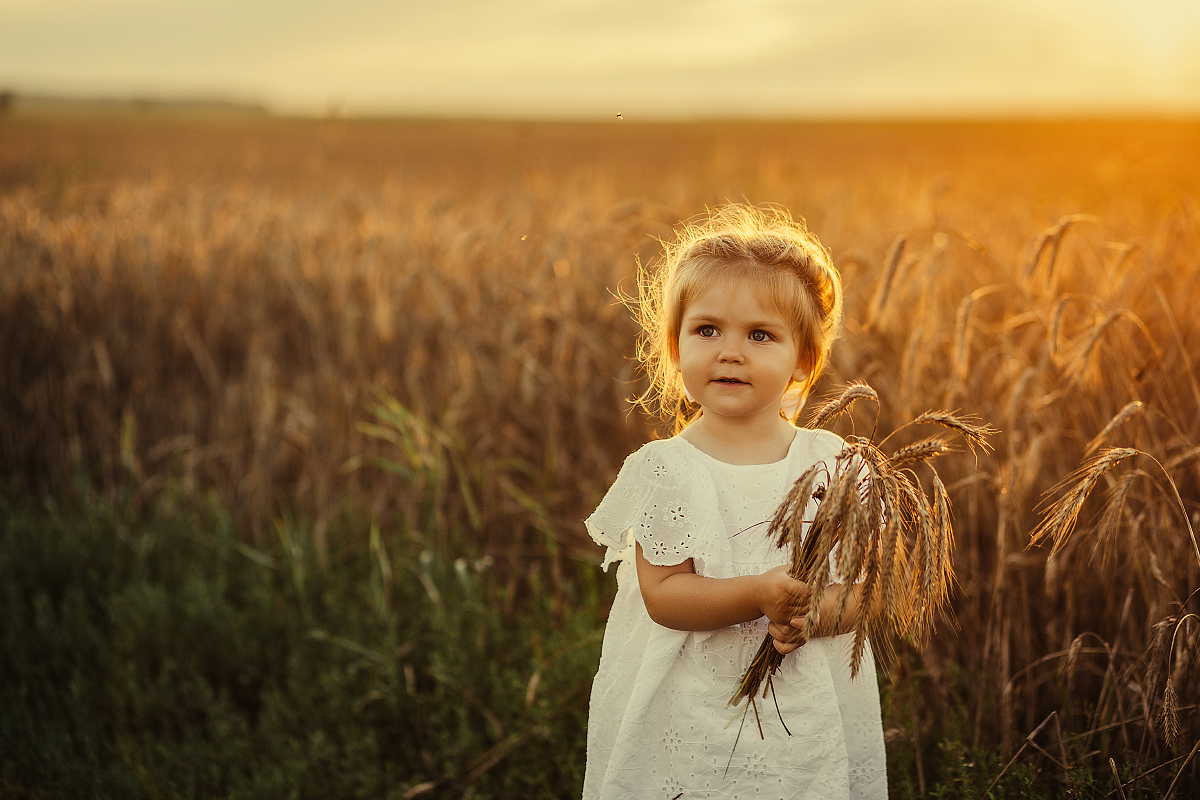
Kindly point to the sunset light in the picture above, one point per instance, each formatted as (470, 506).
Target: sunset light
(589, 59)
(600, 399)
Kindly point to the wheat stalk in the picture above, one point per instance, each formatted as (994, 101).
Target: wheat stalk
(1081, 358)
(1131, 408)
(879, 527)
(919, 452)
(886, 282)
(1168, 718)
(1114, 504)
(841, 404)
(962, 338)
(1060, 517)
(1050, 240)
(974, 433)
(1056, 320)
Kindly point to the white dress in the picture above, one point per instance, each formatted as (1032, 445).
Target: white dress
(658, 724)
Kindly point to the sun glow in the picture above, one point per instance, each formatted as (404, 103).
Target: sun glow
(586, 58)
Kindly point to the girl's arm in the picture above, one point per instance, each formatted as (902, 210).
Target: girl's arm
(676, 597)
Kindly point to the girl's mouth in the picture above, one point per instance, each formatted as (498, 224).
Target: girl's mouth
(730, 381)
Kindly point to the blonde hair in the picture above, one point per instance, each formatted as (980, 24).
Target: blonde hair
(765, 244)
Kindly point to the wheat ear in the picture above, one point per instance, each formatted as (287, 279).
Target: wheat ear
(840, 404)
(1061, 516)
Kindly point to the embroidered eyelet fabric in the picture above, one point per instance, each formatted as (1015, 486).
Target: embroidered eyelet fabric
(658, 724)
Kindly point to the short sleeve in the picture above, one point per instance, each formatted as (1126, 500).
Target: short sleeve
(651, 502)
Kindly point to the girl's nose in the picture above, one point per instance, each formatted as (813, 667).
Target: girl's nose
(730, 355)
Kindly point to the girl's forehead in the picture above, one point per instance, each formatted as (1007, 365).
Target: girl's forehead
(735, 293)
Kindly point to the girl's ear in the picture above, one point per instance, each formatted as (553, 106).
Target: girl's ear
(792, 400)
(804, 365)
(673, 346)
(801, 371)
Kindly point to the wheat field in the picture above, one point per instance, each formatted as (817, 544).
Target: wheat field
(231, 307)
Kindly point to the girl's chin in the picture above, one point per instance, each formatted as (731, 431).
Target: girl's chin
(740, 414)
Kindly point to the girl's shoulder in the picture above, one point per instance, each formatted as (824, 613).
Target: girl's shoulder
(659, 458)
(659, 446)
(651, 493)
(818, 442)
(676, 453)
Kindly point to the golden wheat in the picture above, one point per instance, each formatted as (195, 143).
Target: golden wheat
(1130, 409)
(857, 492)
(216, 308)
(886, 280)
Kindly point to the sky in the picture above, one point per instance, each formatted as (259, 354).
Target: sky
(594, 59)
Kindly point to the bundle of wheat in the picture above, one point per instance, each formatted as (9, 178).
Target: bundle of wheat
(875, 531)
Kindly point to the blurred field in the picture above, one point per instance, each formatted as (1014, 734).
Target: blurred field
(192, 309)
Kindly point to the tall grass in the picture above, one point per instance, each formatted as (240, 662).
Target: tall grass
(231, 307)
(156, 655)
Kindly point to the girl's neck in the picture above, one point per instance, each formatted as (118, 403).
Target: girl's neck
(762, 443)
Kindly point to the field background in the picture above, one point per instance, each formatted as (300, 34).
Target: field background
(299, 421)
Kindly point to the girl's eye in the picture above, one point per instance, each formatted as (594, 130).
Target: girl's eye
(760, 336)
(706, 331)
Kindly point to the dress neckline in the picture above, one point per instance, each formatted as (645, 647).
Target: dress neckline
(787, 457)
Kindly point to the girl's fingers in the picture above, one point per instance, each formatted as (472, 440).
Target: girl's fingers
(784, 633)
(786, 647)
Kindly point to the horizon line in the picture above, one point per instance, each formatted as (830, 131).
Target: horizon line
(15, 103)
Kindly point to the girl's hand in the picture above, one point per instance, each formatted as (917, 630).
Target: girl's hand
(781, 597)
(788, 634)
(787, 637)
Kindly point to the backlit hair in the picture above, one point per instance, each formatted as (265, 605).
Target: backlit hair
(789, 266)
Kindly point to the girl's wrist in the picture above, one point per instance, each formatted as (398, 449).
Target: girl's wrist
(760, 591)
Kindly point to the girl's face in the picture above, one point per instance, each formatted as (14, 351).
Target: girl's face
(736, 354)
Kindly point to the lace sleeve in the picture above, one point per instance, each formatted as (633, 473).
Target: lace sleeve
(648, 502)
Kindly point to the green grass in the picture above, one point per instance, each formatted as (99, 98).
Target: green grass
(156, 655)
(163, 658)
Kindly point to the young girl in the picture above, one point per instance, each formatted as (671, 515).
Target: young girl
(738, 319)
